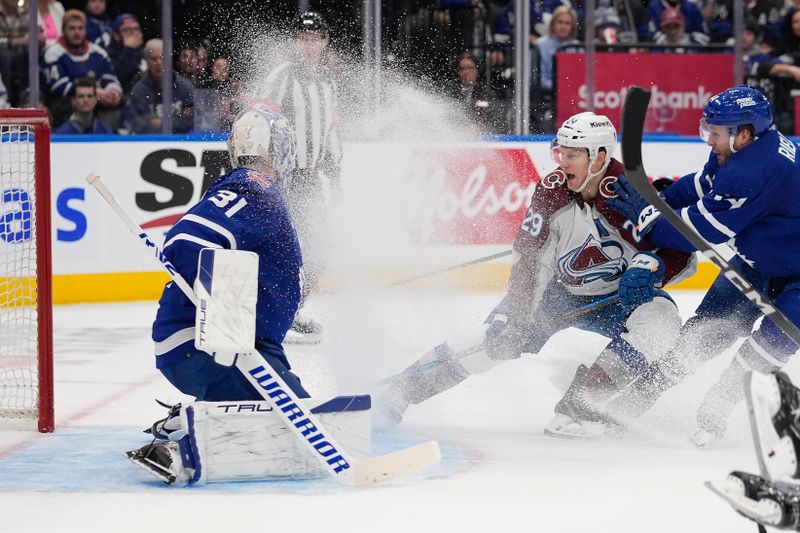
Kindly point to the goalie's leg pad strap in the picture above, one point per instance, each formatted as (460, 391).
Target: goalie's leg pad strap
(235, 441)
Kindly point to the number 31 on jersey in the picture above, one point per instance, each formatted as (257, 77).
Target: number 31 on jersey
(223, 198)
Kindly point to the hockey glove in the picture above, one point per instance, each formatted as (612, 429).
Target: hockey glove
(637, 284)
(504, 339)
(631, 204)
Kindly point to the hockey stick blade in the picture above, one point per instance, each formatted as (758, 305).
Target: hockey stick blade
(391, 465)
(633, 117)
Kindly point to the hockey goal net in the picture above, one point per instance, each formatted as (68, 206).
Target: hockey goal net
(26, 332)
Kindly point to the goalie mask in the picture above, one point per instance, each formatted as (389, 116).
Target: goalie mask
(734, 107)
(261, 132)
(589, 131)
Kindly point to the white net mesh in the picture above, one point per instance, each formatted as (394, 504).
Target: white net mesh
(19, 394)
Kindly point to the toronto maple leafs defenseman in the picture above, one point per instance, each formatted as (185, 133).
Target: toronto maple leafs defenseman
(748, 195)
(571, 251)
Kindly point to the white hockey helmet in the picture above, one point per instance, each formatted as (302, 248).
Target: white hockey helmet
(263, 132)
(590, 131)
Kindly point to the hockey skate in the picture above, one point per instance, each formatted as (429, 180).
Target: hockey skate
(771, 504)
(774, 406)
(169, 427)
(575, 415)
(161, 459)
(718, 403)
(304, 330)
(389, 408)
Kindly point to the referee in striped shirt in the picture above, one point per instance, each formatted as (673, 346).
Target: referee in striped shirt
(306, 94)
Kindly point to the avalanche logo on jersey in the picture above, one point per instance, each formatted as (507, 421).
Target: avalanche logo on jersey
(592, 261)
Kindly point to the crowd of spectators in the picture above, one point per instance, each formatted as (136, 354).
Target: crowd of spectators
(467, 51)
(98, 75)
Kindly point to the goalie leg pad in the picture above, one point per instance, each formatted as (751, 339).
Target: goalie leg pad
(239, 441)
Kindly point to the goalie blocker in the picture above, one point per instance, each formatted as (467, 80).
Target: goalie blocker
(249, 441)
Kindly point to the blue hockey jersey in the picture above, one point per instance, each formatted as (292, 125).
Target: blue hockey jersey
(61, 67)
(752, 202)
(242, 210)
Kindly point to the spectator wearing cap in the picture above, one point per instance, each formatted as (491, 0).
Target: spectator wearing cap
(126, 51)
(673, 31)
(98, 25)
(692, 19)
(72, 57)
(144, 111)
(83, 119)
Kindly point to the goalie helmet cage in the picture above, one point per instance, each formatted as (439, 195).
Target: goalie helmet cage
(26, 325)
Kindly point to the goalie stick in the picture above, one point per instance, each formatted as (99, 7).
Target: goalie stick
(633, 116)
(321, 444)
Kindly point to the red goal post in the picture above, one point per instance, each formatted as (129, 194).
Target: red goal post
(26, 310)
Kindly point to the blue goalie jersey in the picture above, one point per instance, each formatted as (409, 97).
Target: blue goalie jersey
(752, 202)
(242, 210)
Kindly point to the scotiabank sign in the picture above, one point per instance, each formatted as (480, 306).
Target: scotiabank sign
(681, 84)
(468, 195)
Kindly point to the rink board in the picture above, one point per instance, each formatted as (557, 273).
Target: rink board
(405, 208)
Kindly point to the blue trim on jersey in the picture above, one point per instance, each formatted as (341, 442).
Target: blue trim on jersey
(206, 269)
(341, 404)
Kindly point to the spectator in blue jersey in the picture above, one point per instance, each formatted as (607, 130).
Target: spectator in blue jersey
(691, 14)
(98, 25)
(126, 51)
(144, 111)
(72, 57)
(83, 118)
(747, 195)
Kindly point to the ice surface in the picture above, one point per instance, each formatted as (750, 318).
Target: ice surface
(500, 473)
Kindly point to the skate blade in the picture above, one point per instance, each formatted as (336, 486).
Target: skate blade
(776, 456)
(563, 427)
(150, 467)
(762, 511)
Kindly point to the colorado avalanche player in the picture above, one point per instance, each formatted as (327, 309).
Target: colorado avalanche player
(571, 251)
(748, 195)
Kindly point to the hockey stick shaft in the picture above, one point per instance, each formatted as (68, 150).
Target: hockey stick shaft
(298, 419)
(433, 273)
(95, 181)
(633, 117)
(575, 313)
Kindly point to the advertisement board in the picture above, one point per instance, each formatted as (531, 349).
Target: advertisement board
(676, 102)
(403, 206)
